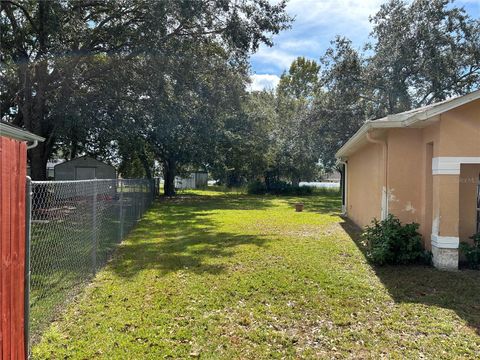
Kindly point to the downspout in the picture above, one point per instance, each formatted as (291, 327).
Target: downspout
(34, 144)
(344, 189)
(384, 213)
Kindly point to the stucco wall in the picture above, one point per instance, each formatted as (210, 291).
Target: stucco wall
(460, 131)
(66, 170)
(468, 194)
(428, 150)
(459, 136)
(405, 174)
(442, 204)
(365, 182)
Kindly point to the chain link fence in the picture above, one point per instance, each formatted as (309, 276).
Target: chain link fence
(75, 226)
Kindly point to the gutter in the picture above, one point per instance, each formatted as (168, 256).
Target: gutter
(408, 118)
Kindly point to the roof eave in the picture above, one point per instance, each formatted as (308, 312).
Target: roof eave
(355, 139)
(406, 120)
(19, 134)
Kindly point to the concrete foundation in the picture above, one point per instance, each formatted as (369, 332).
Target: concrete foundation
(445, 259)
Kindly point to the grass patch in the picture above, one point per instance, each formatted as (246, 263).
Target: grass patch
(62, 250)
(216, 275)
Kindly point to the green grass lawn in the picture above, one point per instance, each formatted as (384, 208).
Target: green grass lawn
(215, 275)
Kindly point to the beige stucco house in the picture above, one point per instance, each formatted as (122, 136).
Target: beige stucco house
(422, 165)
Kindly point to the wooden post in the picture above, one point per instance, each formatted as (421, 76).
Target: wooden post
(13, 160)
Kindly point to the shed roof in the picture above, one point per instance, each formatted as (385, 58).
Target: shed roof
(80, 158)
(18, 133)
(415, 118)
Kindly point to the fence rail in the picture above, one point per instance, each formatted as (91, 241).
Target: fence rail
(75, 226)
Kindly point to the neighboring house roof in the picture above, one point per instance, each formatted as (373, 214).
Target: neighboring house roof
(416, 118)
(18, 133)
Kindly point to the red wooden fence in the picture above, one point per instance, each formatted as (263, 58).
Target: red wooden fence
(12, 250)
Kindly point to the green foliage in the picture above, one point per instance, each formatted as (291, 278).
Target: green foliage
(257, 187)
(472, 251)
(278, 188)
(88, 67)
(424, 52)
(340, 111)
(390, 242)
(246, 148)
(421, 52)
(301, 81)
(296, 148)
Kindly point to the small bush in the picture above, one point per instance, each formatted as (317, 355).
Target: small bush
(256, 188)
(278, 188)
(472, 252)
(390, 242)
(303, 190)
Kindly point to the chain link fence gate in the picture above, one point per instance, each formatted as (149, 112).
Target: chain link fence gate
(75, 226)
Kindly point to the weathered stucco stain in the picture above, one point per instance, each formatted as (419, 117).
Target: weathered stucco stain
(409, 207)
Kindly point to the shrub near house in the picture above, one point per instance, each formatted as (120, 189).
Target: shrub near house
(391, 242)
(472, 252)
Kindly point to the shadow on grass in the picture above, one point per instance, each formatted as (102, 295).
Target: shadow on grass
(458, 291)
(189, 239)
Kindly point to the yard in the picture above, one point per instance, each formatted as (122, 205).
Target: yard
(226, 275)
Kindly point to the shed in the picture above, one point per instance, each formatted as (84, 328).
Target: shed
(196, 180)
(84, 168)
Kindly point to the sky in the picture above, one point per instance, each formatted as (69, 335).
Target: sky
(317, 22)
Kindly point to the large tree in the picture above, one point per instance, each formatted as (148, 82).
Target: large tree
(341, 108)
(246, 148)
(185, 105)
(423, 52)
(51, 50)
(296, 155)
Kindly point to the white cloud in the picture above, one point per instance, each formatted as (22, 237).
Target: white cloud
(317, 22)
(275, 56)
(263, 82)
(339, 13)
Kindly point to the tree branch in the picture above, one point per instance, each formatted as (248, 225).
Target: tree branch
(25, 12)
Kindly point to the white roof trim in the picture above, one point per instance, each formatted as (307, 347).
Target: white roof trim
(18, 134)
(407, 119)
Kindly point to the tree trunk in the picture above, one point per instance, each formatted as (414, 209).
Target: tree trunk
(35, 118)
(169, 170)
(146, 164)
(296, 182)
(38, 162)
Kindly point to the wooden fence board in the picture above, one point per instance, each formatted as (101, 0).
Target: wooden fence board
(12, 248)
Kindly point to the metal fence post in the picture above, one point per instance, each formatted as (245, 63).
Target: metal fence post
(94, 227)
(121, 209)
(28, 233)
(137, 193)
(152, 191)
